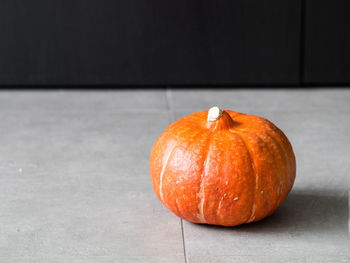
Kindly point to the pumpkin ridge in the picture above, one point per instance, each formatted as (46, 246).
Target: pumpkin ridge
(251, 218)
(281, 181)
(274, 157)
(285, 144)
(287, 152)
(283, 152)
(218, 212)
(163, 170)
(189, 147)
(201, 193)
(166, 164)
(281, 147)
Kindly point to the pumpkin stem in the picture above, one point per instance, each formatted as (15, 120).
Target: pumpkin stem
(214, 113)
(219, 119)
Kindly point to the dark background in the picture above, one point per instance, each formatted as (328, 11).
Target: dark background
(182, 42)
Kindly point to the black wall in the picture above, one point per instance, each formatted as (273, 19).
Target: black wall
(327, 41)
(154, 42)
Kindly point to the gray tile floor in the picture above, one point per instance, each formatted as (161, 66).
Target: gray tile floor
(75, 186)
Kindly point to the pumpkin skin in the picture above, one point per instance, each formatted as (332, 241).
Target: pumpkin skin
(227, 171)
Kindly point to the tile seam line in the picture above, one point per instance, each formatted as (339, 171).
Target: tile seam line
(183, 239)
(169, 105)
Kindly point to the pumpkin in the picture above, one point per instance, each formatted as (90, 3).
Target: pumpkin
(222, 167)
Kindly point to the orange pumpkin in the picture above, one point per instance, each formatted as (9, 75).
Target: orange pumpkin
(222, 167)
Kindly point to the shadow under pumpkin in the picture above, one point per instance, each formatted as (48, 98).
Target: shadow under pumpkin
(315, 212)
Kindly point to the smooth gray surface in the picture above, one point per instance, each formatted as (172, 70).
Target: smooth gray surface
(75, 186)
(312, 224)
(74, 181)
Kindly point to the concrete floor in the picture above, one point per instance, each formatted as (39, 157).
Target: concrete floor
(75, 186)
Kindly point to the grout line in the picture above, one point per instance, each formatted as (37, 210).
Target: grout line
(183, 239)
(169, 106)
